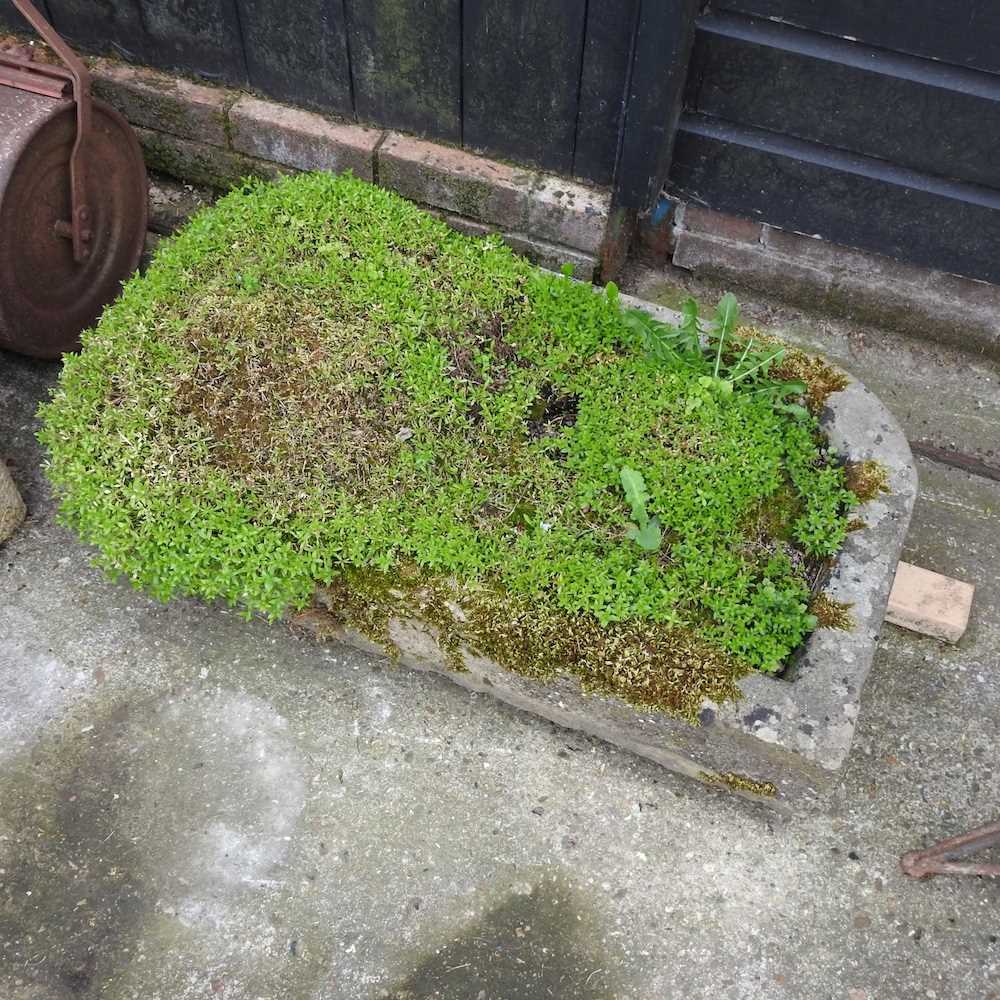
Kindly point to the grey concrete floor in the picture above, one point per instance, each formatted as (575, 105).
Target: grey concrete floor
(194, 806)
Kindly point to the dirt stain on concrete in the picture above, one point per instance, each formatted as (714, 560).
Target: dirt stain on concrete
(540, 940)
(70, 894)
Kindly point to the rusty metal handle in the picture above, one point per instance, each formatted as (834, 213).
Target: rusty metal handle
(942, 858)
(79, 224)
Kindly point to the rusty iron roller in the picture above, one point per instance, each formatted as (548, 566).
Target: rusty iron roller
(73, 199)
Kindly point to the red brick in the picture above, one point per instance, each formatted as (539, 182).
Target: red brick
(200, 163)
(929, 603)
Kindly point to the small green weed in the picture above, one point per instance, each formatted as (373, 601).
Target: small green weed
(645, 530)
(722, 361)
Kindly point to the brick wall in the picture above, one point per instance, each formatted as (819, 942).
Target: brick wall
(212, 136)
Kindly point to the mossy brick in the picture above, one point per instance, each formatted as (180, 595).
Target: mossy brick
(302, 139)
(562, 211)
(164, 103)
(455, 181)
(200, 163)
(552, 256)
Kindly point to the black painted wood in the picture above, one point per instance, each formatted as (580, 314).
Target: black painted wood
(607, 57)
(11, 20)
(197, 36)
(663, 41)
(913, 112)
(521, 78)
(843, 197)
(109, 29)
(406, 64)
(955, 31)
(301, 57)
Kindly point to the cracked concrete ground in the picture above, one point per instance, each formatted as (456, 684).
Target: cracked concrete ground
(194, 806)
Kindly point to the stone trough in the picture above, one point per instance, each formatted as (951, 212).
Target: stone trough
(787, 738)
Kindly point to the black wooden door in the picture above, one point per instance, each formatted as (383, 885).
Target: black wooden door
(868, 122)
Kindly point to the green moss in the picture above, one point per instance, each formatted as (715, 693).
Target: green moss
(866, 480)
(740, 783)
(317, 384)
(830, 613)
(821, 379)
(627, 660)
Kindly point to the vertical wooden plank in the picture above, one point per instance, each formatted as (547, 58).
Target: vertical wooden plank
(521, 78)
(198, 36)
(606, 56)
(11, 20)
(664, 38)
(102, 27)
(406, 65)
(301, 59)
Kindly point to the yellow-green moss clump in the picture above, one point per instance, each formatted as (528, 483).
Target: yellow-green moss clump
(866, 480)
(741, 783)
(821, 379)
(830, 613)
(318, 388)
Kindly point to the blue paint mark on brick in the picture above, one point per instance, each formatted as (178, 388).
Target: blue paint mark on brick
(661, 210)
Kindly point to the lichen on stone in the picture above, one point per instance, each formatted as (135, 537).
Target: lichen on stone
(740, 783)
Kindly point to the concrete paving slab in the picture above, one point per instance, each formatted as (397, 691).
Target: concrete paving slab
(195, 806)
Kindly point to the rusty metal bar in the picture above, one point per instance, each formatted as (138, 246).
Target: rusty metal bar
(78, 228)
(941, 859)
(12, 74)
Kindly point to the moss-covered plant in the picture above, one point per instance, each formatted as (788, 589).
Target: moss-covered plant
(317, 388)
